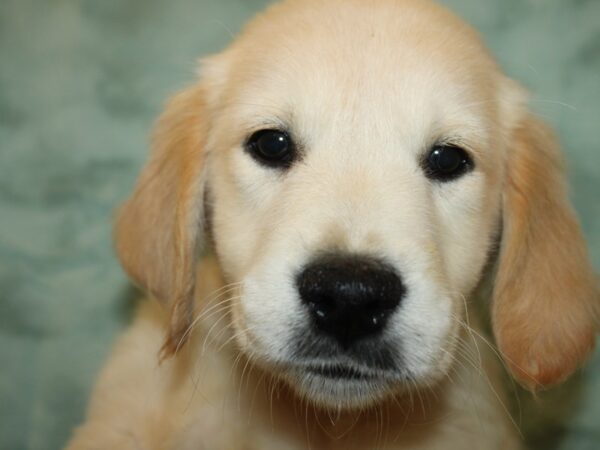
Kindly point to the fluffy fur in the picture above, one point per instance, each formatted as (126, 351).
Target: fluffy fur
(365, 88)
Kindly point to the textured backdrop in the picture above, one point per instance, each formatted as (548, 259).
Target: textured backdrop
(80, 84)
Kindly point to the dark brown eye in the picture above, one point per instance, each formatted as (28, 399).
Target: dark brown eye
(272, 148)
(447, 162)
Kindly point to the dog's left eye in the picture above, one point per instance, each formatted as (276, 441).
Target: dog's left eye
(272, 148)
(447, 162)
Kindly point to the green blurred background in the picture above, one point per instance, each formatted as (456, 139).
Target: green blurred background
(81, 82)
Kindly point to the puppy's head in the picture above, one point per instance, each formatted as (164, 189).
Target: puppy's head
(361, 161)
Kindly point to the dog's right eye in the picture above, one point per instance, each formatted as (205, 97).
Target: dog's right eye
(273, 148)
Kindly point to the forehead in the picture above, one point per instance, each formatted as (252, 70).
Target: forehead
(322, 65)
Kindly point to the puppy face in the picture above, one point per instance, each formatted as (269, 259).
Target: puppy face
(359, 102)
(355, 157)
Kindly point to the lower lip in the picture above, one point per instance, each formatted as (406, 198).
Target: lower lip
(341, 373)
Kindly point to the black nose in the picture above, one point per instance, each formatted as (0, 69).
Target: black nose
(349, 297)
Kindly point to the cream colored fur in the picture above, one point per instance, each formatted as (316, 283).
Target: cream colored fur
(209, 397)
(365, 87)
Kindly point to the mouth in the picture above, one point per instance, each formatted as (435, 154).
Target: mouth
(342, 372)
(341, 385)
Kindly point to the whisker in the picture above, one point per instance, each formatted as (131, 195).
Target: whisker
(215, 324)
(555, 102)
(242, 379)
(197, 319)
(477, 365)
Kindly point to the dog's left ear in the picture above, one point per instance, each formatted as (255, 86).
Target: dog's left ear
(158, 233)
(546, 305)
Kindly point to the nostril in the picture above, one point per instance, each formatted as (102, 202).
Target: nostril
(349, 296)
(321, 308)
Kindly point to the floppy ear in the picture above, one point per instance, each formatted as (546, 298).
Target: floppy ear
(546, 304)
(158, 230)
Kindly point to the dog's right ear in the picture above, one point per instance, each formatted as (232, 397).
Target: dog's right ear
(158, 232)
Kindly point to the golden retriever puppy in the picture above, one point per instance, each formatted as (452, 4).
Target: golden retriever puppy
(363, 177)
